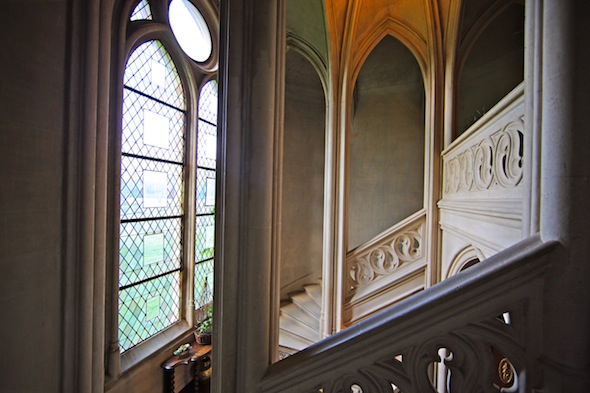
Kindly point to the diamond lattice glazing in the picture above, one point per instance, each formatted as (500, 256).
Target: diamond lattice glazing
(205, 237)
(137, 194)
(205, 194)
(142, 11)
(151, 193)
(148, 248)
(203, 283)
(150, 70)
(148, 308)
(208, 102)
(207, 145)
(141, 135)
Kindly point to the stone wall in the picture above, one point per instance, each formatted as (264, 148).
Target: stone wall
(33, 68)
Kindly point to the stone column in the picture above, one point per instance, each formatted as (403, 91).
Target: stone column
(565, 192)
(248, 111)
(86, 182)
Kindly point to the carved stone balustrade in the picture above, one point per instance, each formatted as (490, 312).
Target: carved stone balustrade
(387, 269)
(490, 154)
(484, 188)
(478, 328)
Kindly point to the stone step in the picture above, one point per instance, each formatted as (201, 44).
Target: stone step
(315, 292)
(305, 302)
(294, 311)
(293, 341)
(300, 329)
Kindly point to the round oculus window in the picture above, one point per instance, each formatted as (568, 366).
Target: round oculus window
(190, 29)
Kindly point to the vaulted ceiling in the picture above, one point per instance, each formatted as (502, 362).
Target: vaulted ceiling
(342, 31)
(338, 29)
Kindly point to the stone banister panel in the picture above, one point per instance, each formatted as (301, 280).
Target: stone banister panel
(488, 157)
(386, 269)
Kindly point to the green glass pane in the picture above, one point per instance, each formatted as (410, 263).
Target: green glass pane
(148, 308)
(160, 239)
(205, 237)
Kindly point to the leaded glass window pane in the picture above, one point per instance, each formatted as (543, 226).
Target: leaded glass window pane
(150, 189)
(205, 191)
(141, 11)
(148, 308)
(151, 129)
(151, 195)
(205, 237)
(204, 289)
(149, 248)
(208, 102)
(205, 195)
(207, 145)
(150, 71)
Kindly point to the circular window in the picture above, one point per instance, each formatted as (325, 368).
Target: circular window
(190, 29)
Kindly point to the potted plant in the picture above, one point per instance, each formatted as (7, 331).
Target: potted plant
(204, 328)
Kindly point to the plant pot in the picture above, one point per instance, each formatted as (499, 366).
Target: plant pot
(203, 339)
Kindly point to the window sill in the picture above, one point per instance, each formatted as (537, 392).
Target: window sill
(153, 346)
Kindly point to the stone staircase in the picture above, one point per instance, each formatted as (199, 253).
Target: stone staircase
(300, 320)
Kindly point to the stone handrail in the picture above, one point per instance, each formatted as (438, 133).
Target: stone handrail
(394, 350)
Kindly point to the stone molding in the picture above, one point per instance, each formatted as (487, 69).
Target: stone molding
(464, 256)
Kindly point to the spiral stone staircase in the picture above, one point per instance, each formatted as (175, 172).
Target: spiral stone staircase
(299, 320)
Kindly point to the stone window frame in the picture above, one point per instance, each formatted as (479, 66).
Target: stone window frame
(193, 76)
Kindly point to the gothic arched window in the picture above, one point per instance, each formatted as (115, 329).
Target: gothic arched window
(166, 171)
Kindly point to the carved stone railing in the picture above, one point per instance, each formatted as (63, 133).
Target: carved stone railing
(483, 182)
(489, 155)
(396, 349)
(494, 161)
(386, 269)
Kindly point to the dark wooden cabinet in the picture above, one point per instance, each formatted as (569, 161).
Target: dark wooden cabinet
(198, 354)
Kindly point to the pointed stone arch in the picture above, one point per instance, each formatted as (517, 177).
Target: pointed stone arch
(465, 258)
(400, 31)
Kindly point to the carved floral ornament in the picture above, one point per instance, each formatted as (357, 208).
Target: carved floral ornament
(496, 161)
(386, 257)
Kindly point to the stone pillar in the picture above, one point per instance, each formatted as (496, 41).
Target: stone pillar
(565, 193)
(248, 115)
(85, 176)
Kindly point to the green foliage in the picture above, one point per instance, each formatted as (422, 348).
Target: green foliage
(206, 324)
